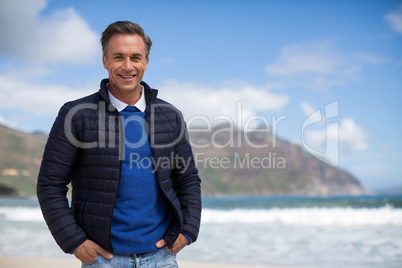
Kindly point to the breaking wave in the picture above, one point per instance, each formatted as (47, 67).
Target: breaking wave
(386, 215)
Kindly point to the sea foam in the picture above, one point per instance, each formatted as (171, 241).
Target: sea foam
(21, 214)
(386, 215)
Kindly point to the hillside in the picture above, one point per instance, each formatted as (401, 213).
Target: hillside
(20, 158)
(235, 169)
(278, 168)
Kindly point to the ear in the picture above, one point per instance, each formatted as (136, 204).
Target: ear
(105, 63)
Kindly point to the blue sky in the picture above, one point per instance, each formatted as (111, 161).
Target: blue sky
(281, 59)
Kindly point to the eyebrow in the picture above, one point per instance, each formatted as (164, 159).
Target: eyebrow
(122, 54)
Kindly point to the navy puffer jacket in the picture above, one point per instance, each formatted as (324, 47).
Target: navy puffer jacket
(85, 148)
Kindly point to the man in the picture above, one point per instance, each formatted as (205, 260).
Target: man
(136, 197)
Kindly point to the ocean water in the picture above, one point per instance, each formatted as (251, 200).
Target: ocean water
(360, 231)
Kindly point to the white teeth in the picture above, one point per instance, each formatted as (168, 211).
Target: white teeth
(131, 76)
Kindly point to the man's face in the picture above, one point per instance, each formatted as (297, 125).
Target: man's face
(126, 63)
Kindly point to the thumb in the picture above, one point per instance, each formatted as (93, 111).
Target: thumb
(104, 252)
(160, 243)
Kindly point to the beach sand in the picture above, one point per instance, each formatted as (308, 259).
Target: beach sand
(19, 262)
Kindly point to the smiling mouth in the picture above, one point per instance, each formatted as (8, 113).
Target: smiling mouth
(127, 76)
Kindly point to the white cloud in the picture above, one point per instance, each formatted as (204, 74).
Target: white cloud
(27, 35)
(5, 122)
(35, 97)
(191, 98)
(395, 19)
(318, 65)
(195, 99)
(317, 58)
(350, 135)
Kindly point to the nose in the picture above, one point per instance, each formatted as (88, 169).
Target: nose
(127, 65)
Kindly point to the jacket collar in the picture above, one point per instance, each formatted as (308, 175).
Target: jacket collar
(150, 94)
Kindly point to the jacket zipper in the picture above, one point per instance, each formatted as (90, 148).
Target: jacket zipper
(121, 144)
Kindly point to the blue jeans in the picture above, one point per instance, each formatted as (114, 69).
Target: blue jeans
(161, 258)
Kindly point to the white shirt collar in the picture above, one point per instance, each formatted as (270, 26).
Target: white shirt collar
(119, 105)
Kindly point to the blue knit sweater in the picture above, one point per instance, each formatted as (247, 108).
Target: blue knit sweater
(141, 215)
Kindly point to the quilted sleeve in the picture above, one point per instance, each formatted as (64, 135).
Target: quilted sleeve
(59, 160)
